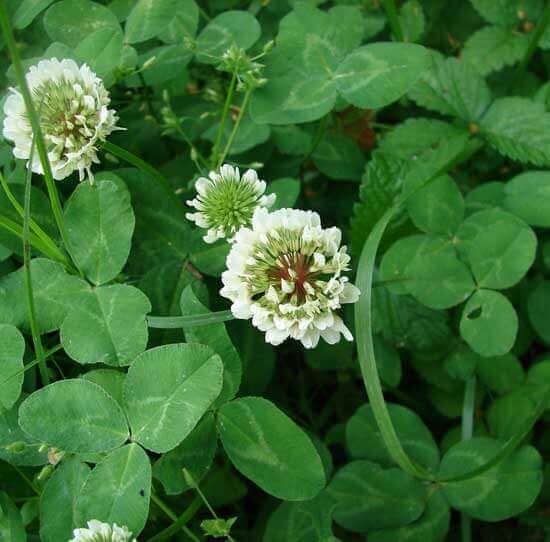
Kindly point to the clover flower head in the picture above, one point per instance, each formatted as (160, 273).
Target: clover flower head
(73, 108)
(226, 201)
(102, 532)
(285, 272)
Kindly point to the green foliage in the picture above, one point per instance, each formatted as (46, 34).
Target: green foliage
(419, 129)
(267, 447)
(164, 410)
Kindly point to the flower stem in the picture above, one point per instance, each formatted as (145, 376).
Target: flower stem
(393, 18)
(178, 522)
(225, 112)
(35, 122)
(535, 37)
(235, 127)
(192, 320)
(35, 331)
(143, 166)
(468, 407)
(319, 134)
(36, 229)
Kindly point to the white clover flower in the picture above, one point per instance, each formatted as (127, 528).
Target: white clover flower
(226, 201)
(102, 532)
(73, 107)
(285, 272)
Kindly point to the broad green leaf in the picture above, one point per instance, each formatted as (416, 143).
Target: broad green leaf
(163, 410)
(378, 74)
(54, 290)
(339, 157)
(493, 47)
(538, 306)
(183, 24)
(501, 492)
(300, 70)
(100, 222)
(117, 490)
(499, 247)
(307, 521)
(28, 10)
(412, 20)
(237, 28)
(111, 380)
(149, 18)
(369, 497)
(432, 525)
(452, 87)
(69, 21)
(287, 191)
(436, 276)
(58, 500)
(414, 136)
(102, 51)
(508, 12)
(216, 337)
(519, 128)
(169, 63)
(162, 232)
(388, 362)
(12, 348)
(364, 439)
(500, 374)
(195, 454)
(380, 186)
(510, 413)
(270, 449)
(485, 197)
(528, 196)
(107, 326)
(462, 362)
(249, 135)
(11, 522)
(74, 415)
(489, 323)
(437, 208)
(300, 86)
(12, 434)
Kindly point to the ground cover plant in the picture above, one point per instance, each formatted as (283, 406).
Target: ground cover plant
(274, 270)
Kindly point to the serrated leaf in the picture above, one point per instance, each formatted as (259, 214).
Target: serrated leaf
(452, 87)
(381, 183)
(508, 12)
(520, 129)
(493, 47)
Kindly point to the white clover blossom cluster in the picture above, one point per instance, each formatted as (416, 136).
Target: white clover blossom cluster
(73, 106)
(102, 532)
(285, 272)
(226, 201)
